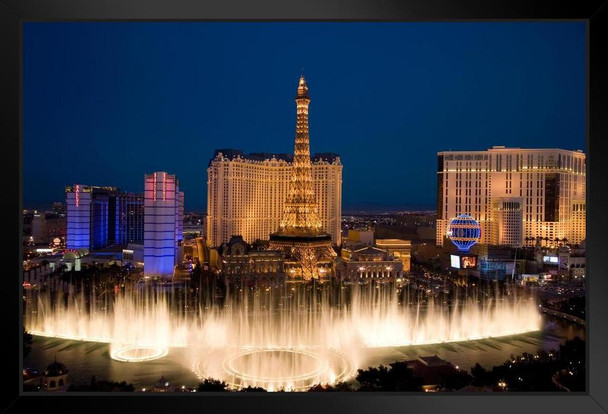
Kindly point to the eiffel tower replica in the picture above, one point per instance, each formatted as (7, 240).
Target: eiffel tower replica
(300, 234)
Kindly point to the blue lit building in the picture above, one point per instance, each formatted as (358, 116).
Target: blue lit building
(98, 217)
(131, 218)
(78, 199)
(163, 218)
(91, 216)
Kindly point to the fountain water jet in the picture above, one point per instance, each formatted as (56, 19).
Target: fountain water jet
(290, 337)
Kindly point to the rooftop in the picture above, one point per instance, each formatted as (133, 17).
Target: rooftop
(55, 369)
(232, 154)
(392, 242)
(499, 148)
(433, 361)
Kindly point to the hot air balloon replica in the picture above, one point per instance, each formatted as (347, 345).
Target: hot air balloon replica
(464, 231)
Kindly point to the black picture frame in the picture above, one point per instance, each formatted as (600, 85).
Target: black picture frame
(13, 13)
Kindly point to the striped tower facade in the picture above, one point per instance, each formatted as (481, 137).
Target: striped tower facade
(163, 207)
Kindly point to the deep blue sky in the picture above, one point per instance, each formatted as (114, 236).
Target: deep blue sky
(105, 103)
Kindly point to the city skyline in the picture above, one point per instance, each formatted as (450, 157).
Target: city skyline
(106, 103)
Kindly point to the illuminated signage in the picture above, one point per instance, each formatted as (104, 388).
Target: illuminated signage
(455, 261)
(551, 259)
(468, 262)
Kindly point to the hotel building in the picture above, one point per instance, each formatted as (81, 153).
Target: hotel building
(517, 195)
(163, 215)
(99, 217)
(46, 226)
(91, 216)
(131, 218)
(366, 263)
(246, 194)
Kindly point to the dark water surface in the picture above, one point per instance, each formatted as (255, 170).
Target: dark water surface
(85, 359)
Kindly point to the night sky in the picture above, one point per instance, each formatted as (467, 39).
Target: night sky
(105, 103)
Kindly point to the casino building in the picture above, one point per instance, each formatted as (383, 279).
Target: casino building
(517, 195)
(163, 224)
(102, 216)
(247, 193)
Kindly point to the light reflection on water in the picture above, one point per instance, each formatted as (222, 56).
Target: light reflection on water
(85, 359)
(295, 338)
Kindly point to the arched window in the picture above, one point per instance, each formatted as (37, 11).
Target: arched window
(52, 384)
(60, 382)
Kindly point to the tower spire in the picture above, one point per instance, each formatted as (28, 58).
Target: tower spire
(300, 232)
(302, 88)
(301, 210)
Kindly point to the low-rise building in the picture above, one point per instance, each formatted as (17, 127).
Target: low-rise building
(238, 260)
(55, 378)
(572, 263)
(398, 248)
(133, 255)
(433, 371)
(365, 263)
(360, 236)
(47, 226)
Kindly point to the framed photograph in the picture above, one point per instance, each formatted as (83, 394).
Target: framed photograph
(229, 206)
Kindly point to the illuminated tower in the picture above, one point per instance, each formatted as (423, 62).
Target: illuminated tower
(300, 233)
(163, 212)
(301, 209)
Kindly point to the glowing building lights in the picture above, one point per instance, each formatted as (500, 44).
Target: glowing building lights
(154, 188)
(464, 232)
(300, 233)
(301, 208)
(516, 194)
(92, 216)
(162, 224)
(247, 193)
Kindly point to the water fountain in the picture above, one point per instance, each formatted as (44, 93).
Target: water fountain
(289, 337)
